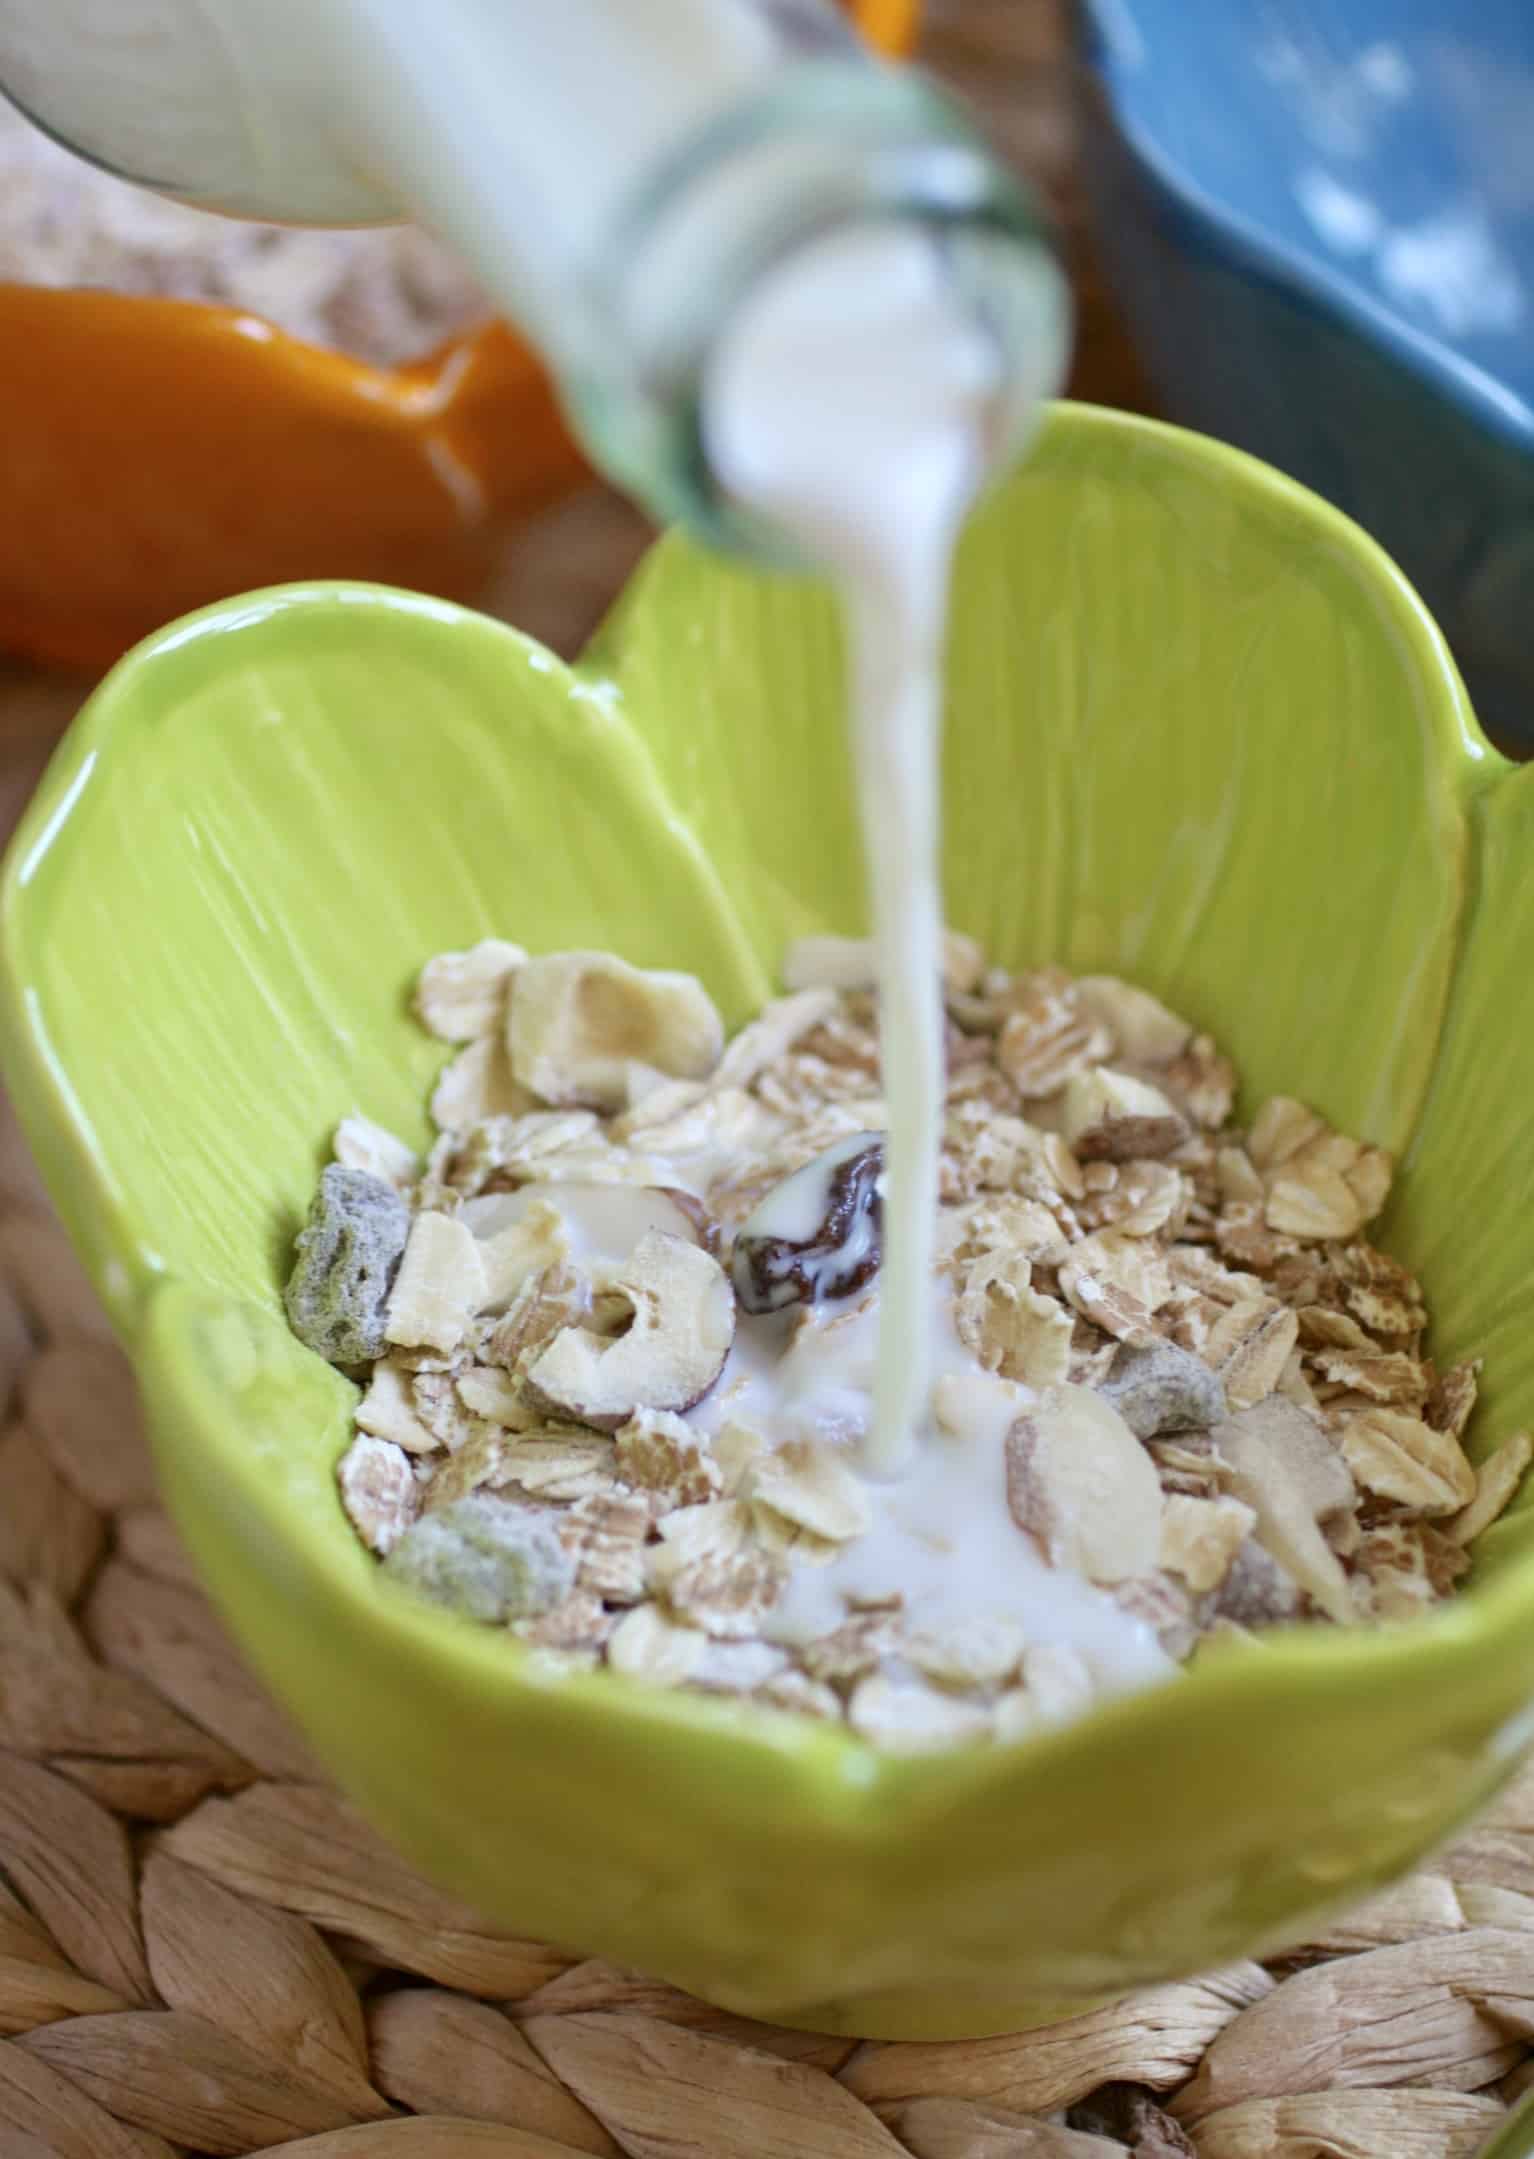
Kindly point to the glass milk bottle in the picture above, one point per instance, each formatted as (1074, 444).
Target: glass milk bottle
(621, 175)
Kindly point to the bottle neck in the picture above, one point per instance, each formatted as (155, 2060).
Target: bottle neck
(827, 147)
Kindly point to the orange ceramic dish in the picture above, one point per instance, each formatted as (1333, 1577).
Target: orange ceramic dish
(159, 454)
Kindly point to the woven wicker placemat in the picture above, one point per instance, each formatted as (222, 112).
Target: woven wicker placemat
(202, 1949)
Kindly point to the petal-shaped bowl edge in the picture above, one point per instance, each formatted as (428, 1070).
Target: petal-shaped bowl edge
(209, 1364)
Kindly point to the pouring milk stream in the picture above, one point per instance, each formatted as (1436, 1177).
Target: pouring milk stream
(879, 319)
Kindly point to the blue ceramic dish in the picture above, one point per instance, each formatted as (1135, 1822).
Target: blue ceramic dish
(1320, 217)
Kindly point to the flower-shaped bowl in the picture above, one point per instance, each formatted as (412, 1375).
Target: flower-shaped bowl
(1199, 732)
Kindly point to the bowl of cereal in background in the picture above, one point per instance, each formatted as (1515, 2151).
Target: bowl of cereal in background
(1320, 220)
(1201, 737)
(196, 405)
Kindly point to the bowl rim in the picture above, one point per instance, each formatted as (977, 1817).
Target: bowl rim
(1110, 44)
(862, 1798)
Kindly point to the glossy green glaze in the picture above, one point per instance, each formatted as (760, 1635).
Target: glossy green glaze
(1198, 730)
(1515, 2139)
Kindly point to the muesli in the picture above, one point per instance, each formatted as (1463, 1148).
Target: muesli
(616, 1334)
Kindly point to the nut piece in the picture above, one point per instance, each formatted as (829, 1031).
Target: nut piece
(361, 1144)
(388, 1411)
(461, 995)
(441, 1285)
(1081, 1483)
(1109, 1117)
(487, 1558)
(523, 1233)
(378, 1491)
(522, 1249)
(1145, 1031)
(1201, 1537)
(579, 1020)
(816, 1236)
(1160, 1388)
(672, 1353)
(1256, 1591)
(1286, 1469)
(477, 1085)
(345, 1262)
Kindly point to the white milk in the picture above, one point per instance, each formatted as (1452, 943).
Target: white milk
(941, 1535)
(861, 433)
(871, 475)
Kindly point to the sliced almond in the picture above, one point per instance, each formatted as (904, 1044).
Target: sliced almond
(521, 1251)
(1280, 1129)
(387, 1410)
(460, 996)
(1201, 1537)
(578, 1020)
(361, 1144)
(440, 1286)
(1285, 1468)
(1081, 1483)
(489, 1392)
(1144, 1031)
(476, 1086)
(1109, 1117)
(969, 1405)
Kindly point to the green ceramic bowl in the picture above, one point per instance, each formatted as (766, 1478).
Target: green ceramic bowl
(1200, 732)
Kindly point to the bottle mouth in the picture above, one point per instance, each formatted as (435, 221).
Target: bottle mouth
(829, 145)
